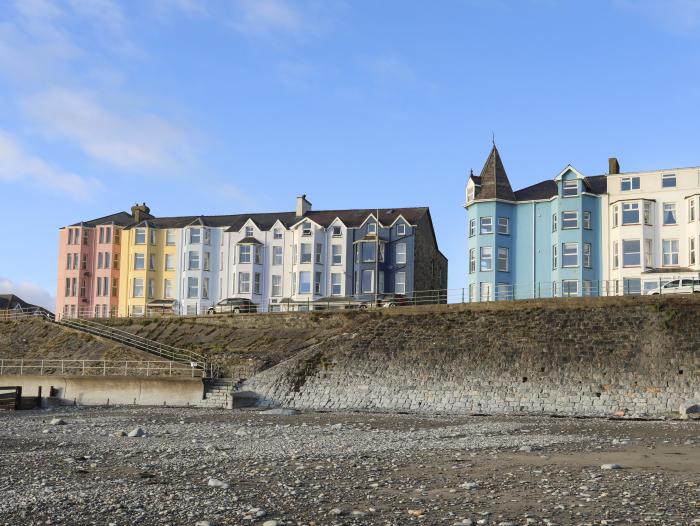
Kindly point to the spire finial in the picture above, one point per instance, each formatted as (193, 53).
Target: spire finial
(471, 172)
(493, 138)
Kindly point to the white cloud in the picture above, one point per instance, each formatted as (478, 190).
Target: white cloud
(135, 141)
(18, 165)
(265, 17)
(29, 292)
(677, 16)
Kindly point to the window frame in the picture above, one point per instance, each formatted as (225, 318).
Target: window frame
(503, 256)
(631, 180)
(574, 220)
(401, 255)
(567, 185)
(626, 253)
(401, 229)
(631, 207)
(400, 285)
(671, 252)
(139, 236)
(484, 258)
(587, 258)
(564, 254)
(339, 284)
(675, 213)
(669, 177)
(485, 222)
(587, 225)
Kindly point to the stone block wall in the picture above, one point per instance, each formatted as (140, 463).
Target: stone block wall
(574, 357)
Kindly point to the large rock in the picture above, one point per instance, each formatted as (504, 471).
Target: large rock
(689, 409)
(137, 433)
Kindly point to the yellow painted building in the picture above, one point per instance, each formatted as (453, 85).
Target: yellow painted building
(148, 275)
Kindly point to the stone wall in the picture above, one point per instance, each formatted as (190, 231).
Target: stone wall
(585, 357)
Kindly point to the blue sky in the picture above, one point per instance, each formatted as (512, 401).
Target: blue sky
(232, 106)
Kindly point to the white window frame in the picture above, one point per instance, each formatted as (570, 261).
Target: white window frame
(648, 253)
(631, 207)
(648, 220)
(503, 225)
(244, 282)
(276, 285)
(691, 209)
(372, 228)
(305, 256)
(587, 261)
(195, 236)
(336, 254)
(485, 225)
(303, 283)
(369, 273)
(567, 186)
(587, 220)
(485, 259)
(472, 260)
(337, 231)
(668, 181)
(139, 236)
(169, 263)
(400, 283)
(615, 215)
(631, 253)
(569, 216)
(277, 255)
(472, 227)
(193, 262)
(668, 207)
(567, 246)
(567, 284)
(244, 256)
(168, 289)
(257, 283)
(400, 229)
(192, 287)
(170, 237)
(277, 233)
(139, 257)
(249, 231)
(631, 182)
(555, 222)
(336, 284)
(692, 255)
(615, 254)
(671, 253)
(137, 286)
(555, 257)
(400, 253)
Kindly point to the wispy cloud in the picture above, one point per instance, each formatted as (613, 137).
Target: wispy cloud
(136, 141)
(677, 16)
(16, 164)
(29, 292)
(266, 17)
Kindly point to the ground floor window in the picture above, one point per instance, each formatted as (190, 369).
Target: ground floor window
(137, 310)
(485, 291)
(587, 288)
(400, 283)
(503, 292)
(632, 286)
(569, 287)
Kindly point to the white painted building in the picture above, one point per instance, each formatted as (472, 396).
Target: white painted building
(651, 228)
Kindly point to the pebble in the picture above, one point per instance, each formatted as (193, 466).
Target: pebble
(611, 466)
(57, 422)
(137, 433)
(216, 483)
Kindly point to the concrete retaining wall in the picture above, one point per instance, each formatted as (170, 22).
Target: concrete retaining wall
(593, 357)
(116, 390)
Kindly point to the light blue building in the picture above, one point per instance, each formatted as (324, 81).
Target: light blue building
(542, 241)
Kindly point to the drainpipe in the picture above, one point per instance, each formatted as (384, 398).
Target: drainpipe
(534, 246)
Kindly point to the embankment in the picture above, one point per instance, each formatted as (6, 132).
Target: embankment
(589, 356)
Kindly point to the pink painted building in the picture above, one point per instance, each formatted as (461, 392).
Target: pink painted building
(88, 265)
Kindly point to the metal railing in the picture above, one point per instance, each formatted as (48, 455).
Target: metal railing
(19, 366)
(174, 354)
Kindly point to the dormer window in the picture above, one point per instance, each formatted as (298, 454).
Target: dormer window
(401, 230)
(277, 233)
(569, 189)
(249, 231)
(337, 231)
(372, 228)
(306, 228)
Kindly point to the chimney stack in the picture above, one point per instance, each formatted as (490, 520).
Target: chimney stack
(303, 206)
(140, 211)
(613, 166)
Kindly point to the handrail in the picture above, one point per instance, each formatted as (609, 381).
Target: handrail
(22, 366)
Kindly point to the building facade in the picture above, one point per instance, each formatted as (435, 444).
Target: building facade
(279, 261)
(577, 235)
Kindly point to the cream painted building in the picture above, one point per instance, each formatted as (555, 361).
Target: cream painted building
(651, 228)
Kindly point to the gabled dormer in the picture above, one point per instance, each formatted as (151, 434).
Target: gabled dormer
(570, 182)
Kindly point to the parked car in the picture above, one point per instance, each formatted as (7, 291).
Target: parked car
(234, 305)
(386, 301)
(678, 286)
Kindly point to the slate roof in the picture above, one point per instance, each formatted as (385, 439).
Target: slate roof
(494, 180)
(119, 218)
(541, 190)
(265, 221)
(249, 241)
(597, 184)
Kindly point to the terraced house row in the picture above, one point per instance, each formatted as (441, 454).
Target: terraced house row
(134, 263)
(612, 234)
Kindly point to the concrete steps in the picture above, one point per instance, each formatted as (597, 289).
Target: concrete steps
(218, 392)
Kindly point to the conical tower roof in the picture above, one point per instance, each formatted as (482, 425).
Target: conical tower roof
(494, 180)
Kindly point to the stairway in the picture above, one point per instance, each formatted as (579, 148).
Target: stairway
(161, 350)
(218, 392)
